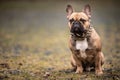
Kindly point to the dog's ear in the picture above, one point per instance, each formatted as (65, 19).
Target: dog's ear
(87, 10)
(69, 10)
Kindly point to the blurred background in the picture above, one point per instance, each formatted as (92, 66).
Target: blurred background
(35, 34)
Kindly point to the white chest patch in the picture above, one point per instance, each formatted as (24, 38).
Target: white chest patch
(82, 46)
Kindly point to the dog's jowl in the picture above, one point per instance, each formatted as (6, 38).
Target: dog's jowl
(85, 43)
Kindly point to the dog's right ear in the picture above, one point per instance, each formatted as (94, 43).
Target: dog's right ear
(69, 10)
(87, 10)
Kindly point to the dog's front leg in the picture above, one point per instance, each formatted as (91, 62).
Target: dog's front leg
(98, 63)
(78, 64)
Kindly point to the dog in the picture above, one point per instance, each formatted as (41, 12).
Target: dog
(85, 43)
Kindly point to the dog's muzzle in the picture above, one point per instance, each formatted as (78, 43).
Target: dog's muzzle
(78, 30)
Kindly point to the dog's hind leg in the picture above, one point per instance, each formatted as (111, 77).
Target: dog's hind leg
(102, 59)
(98, 63)
(73, 63)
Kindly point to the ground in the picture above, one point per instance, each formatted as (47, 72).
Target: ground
(38, 55)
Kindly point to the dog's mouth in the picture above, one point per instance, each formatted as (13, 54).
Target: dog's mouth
(78, 32)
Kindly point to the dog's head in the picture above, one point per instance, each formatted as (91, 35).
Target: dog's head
(79, 22)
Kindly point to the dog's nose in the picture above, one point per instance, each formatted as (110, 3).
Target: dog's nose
(76, 24)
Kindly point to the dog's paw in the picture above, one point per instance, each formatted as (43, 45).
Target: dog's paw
(79, 71)
(98, 73)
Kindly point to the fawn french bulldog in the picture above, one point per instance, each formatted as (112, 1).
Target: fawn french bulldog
(85, 43)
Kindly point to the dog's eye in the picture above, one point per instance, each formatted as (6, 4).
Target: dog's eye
(71, 20)
(83, 20)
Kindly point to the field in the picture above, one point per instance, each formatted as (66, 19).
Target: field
(34, 44)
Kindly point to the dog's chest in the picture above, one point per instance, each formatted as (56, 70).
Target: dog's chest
(82, 46)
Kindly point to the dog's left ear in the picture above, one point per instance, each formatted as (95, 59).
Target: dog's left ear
(69, 10)
(87, 10)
